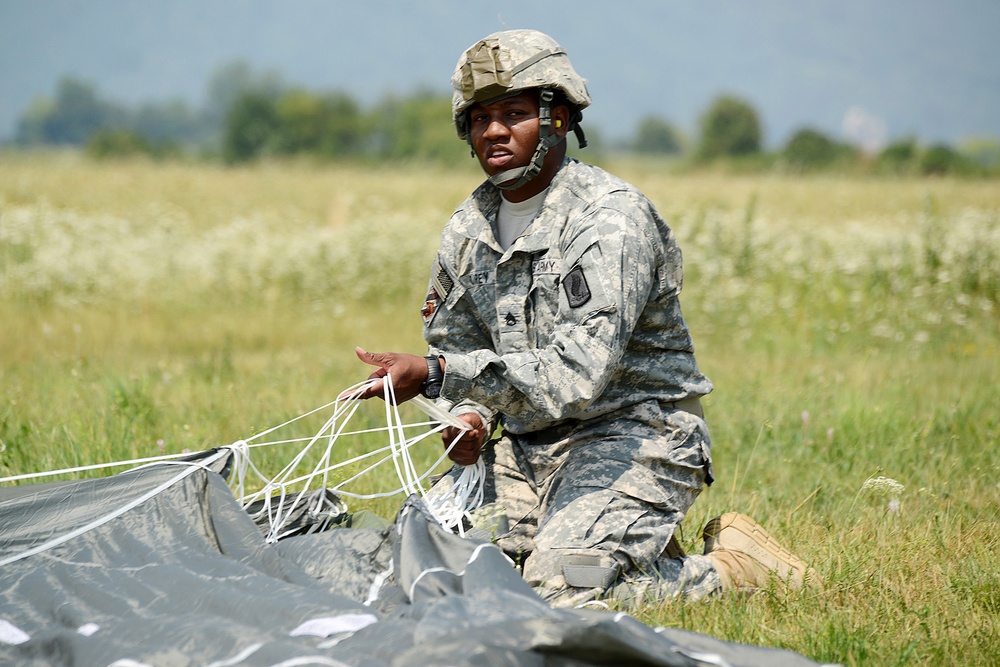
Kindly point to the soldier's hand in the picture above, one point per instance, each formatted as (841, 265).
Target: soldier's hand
(408, 373)
(466, 450)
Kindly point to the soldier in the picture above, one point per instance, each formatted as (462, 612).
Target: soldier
(553, 311)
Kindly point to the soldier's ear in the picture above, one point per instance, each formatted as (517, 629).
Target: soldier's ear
(560, 119)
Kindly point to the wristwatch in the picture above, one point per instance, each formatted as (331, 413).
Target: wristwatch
(431, 388)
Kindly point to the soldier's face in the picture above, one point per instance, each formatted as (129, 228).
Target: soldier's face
(505, 133)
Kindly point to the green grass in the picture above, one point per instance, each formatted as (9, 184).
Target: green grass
(852, 329)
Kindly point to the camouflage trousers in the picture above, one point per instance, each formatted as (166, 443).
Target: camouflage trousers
(591, 506)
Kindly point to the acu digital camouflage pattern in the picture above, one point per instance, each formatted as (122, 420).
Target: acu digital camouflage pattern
(506, 323)
(590, 507)
(574, 339)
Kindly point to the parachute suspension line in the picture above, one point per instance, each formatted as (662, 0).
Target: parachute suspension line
(405, 469)
(278, 513)
(452, 508)
(278, 504)
(185, 454)
(95, 466)
(276, 488)
(392, 410)
(277, 501)
(241, 463)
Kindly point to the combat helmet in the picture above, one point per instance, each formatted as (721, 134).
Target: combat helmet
(506, 63)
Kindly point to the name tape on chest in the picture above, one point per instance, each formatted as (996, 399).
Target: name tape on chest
(477, 278)
(541, 267)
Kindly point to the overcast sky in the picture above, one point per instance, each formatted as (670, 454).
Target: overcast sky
(875, 68)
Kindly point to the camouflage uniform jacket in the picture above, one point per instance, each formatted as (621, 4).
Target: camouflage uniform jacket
(577, 319)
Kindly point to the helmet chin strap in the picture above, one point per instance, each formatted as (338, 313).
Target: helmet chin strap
(512, 179)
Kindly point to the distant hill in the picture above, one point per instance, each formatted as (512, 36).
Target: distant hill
(896, 67)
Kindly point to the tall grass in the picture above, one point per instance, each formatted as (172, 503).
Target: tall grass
(851, 328)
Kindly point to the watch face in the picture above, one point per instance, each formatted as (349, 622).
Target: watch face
(432, 390)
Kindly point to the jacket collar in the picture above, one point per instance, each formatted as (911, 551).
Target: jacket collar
(481, 211)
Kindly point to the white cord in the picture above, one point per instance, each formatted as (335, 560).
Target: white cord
(95, 466)
(450, 510)
(279, 503)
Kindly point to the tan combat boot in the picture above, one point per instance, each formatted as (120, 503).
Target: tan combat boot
(745, 556)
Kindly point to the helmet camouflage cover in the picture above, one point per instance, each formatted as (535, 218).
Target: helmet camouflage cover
(508, 62)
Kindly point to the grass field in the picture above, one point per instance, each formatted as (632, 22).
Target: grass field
(851, 327)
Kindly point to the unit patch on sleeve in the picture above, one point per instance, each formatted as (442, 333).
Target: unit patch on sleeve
(577, 290)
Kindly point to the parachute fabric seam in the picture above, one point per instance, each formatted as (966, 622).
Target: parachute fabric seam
(431, 570)
(110, 516)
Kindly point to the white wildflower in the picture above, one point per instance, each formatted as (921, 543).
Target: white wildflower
(883, 486)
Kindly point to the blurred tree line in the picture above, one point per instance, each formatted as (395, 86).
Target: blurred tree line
(248, 115)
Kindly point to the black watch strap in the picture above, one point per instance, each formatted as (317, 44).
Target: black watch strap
(431, 388)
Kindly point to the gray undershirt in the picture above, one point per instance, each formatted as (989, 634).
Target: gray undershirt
(514, 217)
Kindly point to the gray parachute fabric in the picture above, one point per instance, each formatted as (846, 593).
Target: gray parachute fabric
(161, 566)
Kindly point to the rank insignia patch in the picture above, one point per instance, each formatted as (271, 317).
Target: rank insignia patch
(577, 290)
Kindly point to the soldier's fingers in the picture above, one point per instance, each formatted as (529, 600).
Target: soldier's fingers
(371, 358)
(378, 374)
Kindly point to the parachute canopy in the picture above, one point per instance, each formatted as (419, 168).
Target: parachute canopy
(162, 566)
